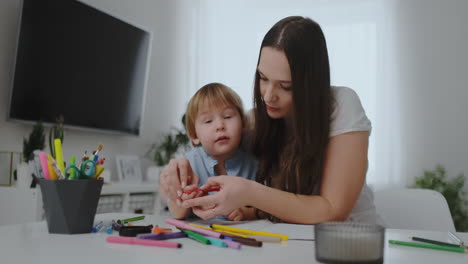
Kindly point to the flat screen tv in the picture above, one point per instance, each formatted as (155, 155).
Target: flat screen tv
(80, 63)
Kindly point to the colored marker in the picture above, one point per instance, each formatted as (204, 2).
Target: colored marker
(116, 226)
(184, 225)
(232, 244)
(97, 227)
(227, 233)
(266, 238)
(227, 240)
(212, 189)
(200, 226)
(217, 242)
(162, 236)
(44, 165)
(99, 170)
(145, 242)
(59, 154)
(161, 230)
(72, 173)
(109, 229)
(197, 237)
(133, 231)
(132, 219)
(246, 241)
(54, 172)
(248, 232)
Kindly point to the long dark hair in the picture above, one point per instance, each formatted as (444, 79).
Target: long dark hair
(297, 161)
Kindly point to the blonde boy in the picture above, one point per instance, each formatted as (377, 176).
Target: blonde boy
(214, 121)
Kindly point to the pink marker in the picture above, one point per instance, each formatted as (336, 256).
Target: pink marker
(232, 244)
(44, 165)
(145, 242)
(183, 225)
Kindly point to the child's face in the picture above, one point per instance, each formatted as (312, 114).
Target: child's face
(219, 130)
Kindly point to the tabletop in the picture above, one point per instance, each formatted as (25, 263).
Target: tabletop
(31, 243)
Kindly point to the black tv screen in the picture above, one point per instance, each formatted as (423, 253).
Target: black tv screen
(78, 62)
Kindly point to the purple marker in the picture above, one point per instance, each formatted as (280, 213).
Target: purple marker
(162, 236)
(116, 226)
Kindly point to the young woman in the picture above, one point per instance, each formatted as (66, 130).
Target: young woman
(311, 140)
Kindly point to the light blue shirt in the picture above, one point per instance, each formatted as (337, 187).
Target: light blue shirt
(243, 164)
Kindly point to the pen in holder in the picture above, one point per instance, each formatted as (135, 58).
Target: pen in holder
(347, 242)
(70, 205)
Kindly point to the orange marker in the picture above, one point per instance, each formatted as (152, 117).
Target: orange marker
(160, 230)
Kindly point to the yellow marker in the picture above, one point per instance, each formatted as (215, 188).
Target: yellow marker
(248, 232)
(52, 173)
(266, 238)
(228, 232)
(56, 174)
(59, 154)
(219, 230)
(99, 170)
(204, 227)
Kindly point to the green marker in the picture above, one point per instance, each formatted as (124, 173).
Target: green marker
(429, 246)
(124, 221)
(72, 173)
(217, 242)
(196, 236)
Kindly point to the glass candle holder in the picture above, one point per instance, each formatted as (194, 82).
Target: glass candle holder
(347, 242)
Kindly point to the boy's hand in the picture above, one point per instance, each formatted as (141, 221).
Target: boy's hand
(190, 195)
(236, 215)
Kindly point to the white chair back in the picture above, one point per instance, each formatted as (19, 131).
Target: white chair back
(414, 209)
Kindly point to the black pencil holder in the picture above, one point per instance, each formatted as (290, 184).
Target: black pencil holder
(70, 205)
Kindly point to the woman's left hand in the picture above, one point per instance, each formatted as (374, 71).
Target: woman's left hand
(233, 194)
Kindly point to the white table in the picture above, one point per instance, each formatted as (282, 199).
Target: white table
(31, 243)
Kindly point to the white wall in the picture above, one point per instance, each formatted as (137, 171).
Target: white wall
(432, 39)
(413, 84)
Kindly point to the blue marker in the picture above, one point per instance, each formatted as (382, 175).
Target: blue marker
(97, 227)
(109, 229)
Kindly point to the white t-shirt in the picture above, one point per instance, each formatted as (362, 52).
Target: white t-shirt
(349, 116)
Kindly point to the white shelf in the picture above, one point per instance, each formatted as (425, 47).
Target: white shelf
(119, 188)
(126, 197)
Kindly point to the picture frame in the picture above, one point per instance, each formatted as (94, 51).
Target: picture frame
(129, 168)
(9, 161)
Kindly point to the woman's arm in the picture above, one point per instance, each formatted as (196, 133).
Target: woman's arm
(343, 177)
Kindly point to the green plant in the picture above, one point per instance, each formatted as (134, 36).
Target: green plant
(452, 190)
(35, 141)
(163, 151)
(56, 132)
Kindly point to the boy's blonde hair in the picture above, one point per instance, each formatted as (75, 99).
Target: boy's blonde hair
(215, 95)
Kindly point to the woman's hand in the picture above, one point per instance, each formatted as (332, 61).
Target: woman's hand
(176, 177)
(233, 194)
